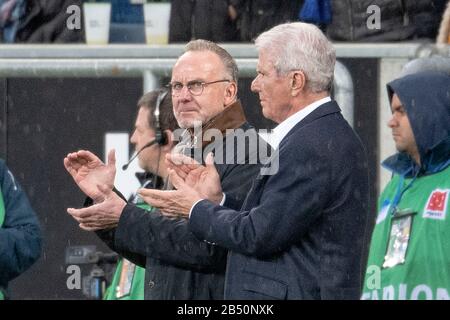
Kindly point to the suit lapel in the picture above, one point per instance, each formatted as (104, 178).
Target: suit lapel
(324, 110)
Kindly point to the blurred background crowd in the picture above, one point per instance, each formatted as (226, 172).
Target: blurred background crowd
(43, 21)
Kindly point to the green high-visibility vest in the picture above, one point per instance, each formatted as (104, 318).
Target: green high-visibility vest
(135, 288)
(2, 218)
(424, 272)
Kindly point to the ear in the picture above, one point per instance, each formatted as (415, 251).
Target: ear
(230, 93)
(298, 82)
(170, 141)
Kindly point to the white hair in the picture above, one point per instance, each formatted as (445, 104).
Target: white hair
(300, 46)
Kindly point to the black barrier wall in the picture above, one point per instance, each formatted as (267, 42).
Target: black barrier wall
(44, 119)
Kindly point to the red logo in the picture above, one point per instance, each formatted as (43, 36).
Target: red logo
(437, 201)
(437, 205)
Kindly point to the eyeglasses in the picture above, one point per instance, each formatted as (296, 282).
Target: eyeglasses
(195, 87)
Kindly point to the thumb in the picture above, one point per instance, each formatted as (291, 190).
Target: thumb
(209, 161)
(112, 157)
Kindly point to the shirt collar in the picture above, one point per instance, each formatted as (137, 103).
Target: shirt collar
(280, 131)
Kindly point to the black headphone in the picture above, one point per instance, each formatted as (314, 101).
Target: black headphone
(160, 136)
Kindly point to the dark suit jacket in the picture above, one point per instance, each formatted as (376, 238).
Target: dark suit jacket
(301, 233)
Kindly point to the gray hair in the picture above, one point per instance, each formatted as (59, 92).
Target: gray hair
(301, 46)
(229, 63)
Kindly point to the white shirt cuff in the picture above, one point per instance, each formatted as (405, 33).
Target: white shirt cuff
(221, 203)
(223, 199)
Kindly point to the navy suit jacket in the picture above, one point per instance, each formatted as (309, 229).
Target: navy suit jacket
(303, 232)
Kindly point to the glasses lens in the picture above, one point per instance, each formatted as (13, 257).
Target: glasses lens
(195, 87)
(175, 88)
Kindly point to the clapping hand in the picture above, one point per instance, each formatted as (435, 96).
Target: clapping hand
(192, 182)
(89, 172)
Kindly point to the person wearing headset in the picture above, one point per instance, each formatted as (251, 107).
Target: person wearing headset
(154, 123)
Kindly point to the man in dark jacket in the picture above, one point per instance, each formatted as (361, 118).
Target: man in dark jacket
(409, 253)
(303, 231)
(20, 235)
(204, 88)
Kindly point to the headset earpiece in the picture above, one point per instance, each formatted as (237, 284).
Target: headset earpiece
(160, 136)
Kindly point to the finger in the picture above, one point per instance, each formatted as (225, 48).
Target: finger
(89, 221)
(179, 172)
(84, 220)
(176, 162)
(209, 161)
(194, 176)
(152, 200)
(171, 165)
(87, 228)
(102, 224)
(73, 160)
(168, 159)
(182, 162)
(174, 158)
(157, 194)
(69, 166)
(156, 198)
(88, 156)
(175, 179)
(112, 158)
(187, 168)
(96, 221)
(155, 203)
(181, 159)
(72, 155)
(76, 159)
(94, 228)
(184, 168)
(80, 213)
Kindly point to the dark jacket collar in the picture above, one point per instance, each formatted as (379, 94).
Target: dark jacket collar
(323, 110)
(232, 117)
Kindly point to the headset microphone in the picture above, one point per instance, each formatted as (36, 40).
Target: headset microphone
(125, 166)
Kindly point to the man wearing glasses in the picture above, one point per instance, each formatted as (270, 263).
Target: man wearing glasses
(204, 96)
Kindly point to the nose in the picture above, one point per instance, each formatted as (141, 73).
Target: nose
(392, 122)
(133, 137)
(255, 85)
